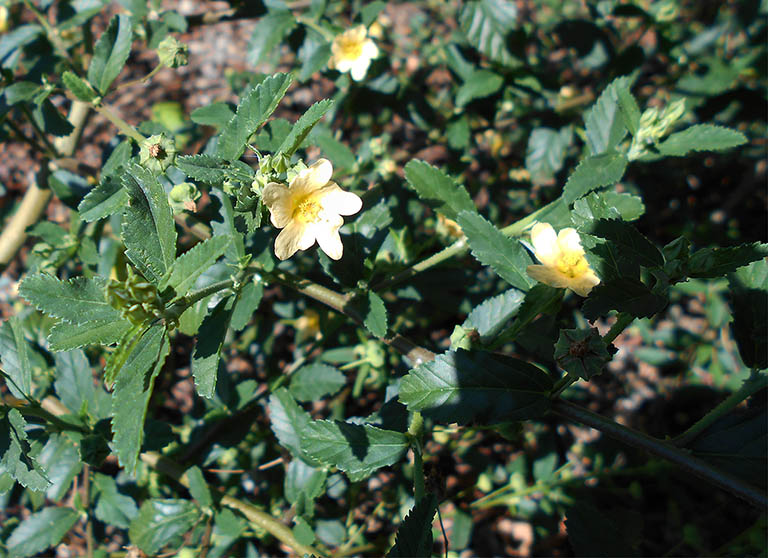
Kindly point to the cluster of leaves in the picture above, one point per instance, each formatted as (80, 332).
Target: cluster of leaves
(120, 294)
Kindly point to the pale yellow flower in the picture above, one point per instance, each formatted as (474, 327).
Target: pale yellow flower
(4, 19)
(309, 209)
(352, 52)
(563, 263)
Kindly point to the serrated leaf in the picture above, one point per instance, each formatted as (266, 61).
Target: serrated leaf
(75, 387)
(248, 301)
(630, 111)
(623, 294)
(65, 336)
(192, 263)
(303, 126)
(61, 461)
(490, 316)
(545, 153)
(540, 299)
(340, 155)
(414, 536)
(215, 114)
(268, 33)
(133, 387)
(198, 488)
(210, 338)
(105, 199)
(110, 53)
(254, 109)
(606, 205)
(314, 381)
(14, 355)
(604, 122)
(14, 453)
(112, 507)
(486, 23)
(288, 421)
(78, 300)
(79, 87)
(119, 157)
(749, 298)
(627, 240)
(40, 531)
(376, 315)
(437, 189)
(302, 478)
(205, 168)
(480, 84)
(701, 137)
(464, 386)
(715, 262)
(506, 256)
(356, 449)
(161, 523)
(594, 172)
(148, 231)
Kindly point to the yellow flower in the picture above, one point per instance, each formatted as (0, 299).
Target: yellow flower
(309, 209)
(3, 19)
(562, 259)
(352, 52)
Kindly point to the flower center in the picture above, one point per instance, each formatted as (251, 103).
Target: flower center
(351, 48)
(572, 264)
(307, 211)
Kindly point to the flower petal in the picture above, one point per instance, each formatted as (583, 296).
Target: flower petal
(584, 284)
(330, 242)
(569, 241)
(278, 199)
(335, 200)
(315, 177)
(544, 242)
(370, 50)
(359, 68)
(287, 242)
(549, 276)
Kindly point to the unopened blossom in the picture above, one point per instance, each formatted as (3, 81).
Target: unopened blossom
(352, 52)
(563, 263)
(309, 209)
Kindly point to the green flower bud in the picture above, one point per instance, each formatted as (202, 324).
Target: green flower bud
(581, 352)
(157, 153)
(172, 53)
(183, 197)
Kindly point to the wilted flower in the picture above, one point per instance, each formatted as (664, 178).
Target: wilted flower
(172, 53)
(309, 209)
(562, 257)
(352, 52)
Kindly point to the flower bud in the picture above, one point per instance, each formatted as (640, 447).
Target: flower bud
(581, 352)
(183, 197)
(157, 153)
(172, 53)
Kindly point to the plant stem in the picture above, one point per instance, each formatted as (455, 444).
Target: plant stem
(86, 505)
(416, 431)
(327, 35)
(562, 384)
(622, 321)
(52, 33)
(751, 385)
(251, 512)
(124, 128)
(39, 412)
(662, 449)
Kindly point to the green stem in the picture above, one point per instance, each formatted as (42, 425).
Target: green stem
(622, 321)
(665, 450)
(326, 34)
(751, 385)
(50, 148)
(562, 384)
(38, 412)
(124, 128)
(416, 431)
(142, 79)
(52, 34)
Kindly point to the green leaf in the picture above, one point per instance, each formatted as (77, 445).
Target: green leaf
(749, 299)
(192, 263)
(14, 354)
(268, 33)
(485, 24)
(254, 109)
(79, 87)
(132, 390)
(105, 199)
(376, 315)
(303, 126)
(12, 43)
(604, 122)
(247, 303)
(463, 387)
(627, 240)
(210, 338)
(490, 316)
(21, 91)
(541, 299)
(314, 381)
(506, 256)
(110, 53)
(77, 300)
(545, 153)
(710, 263)
(65, 336)
(198, 488)
(623, 294)
(594, 172)
(112, 507)
(161, 523)
(288, 421)
(215, 114)
(437, 189)
(148, 231)
(15, 450)
(340, 155)
(701, 137)
(61, 461)
(630, 111)
(414, 536)
(301, 478)
(204, 168)
(75, 386)
(41, 531)
(606, 205)
(51, 120)
(480, 84)
(356, 449)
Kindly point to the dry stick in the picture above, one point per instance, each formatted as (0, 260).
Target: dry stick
(36, 198)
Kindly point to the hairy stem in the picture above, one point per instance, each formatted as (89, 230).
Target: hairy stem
(124, 128)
